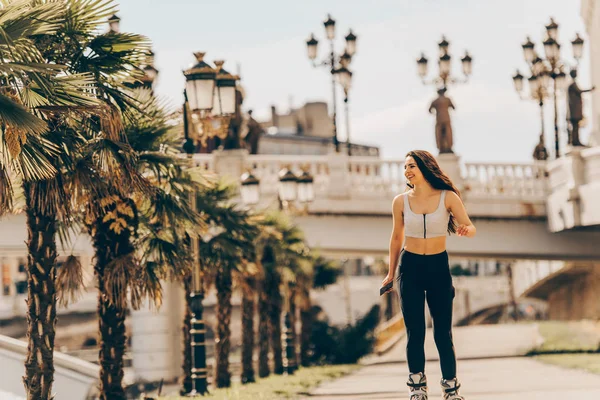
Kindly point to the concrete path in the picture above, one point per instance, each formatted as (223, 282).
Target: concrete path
(487, 368)
(472, 342)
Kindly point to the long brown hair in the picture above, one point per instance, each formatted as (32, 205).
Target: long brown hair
(433, 174)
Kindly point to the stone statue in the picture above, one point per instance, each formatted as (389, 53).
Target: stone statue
(575, 114)
(251, 132)
(443, 127)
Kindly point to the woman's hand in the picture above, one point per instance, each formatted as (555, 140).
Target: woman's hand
(388, 278)
(465, 230)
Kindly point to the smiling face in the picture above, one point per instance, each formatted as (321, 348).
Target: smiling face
(412, 172)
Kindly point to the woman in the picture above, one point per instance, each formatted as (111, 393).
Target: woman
(421, 219)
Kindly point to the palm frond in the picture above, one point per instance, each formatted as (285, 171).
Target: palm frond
(6, 191)
(119, 275)
(85, 17)
(24, 18)
(147, 286)
(19, 118)
(69, 281)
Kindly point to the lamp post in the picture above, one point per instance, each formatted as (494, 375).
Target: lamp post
(538, 91)
(331, 62)
(344, 77)
(291, 188)
(203, 89)
(444, 76)
(550, 68)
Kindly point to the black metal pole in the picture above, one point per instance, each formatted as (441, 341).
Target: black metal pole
(543, 131)
(198, 335)
(335, 138)
(198, 330)
(347, 125)
(556, 144)
(290, 351)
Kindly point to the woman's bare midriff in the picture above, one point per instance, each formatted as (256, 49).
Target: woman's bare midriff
(425, 246)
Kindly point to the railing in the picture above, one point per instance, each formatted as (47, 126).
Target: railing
(511, 180)
(380, 178)
(375, 177)
(266, 168)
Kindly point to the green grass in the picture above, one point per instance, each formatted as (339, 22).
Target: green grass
(588, 362)
(568, 337)
(280, 387)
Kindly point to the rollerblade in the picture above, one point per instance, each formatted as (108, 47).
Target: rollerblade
(450, 389)
(417, 386)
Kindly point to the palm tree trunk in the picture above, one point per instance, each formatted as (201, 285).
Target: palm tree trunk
(112, 328)
(112, 247)
(41, 301)
(293, 320)
(263, 331)
(306, 329)
(112, 347)
(275, 311)
(248, 294)
(223, 284)
(186, 382)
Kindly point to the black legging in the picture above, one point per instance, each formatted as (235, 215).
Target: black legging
(428, 276)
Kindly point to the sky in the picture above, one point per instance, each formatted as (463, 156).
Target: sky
(265, 40)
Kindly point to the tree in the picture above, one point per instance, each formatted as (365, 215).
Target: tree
(36, 97)
(317, 273)
(102, 167)
(137, 236)
(136, 220)
(278, 247)
(248, 284)
(224, 249)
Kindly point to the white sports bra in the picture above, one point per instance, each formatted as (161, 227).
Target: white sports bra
(426, 226)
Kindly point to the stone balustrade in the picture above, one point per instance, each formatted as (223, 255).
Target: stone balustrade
(522, 180)
(574, 182)
(359, 179)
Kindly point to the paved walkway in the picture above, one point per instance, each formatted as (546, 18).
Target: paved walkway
(488, 369)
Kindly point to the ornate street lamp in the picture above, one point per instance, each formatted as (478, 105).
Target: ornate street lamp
(442, 105)
(288, 186)
(211, 98)
(250, 189)
(545, 71)
(306, 193)
(200, 85)
(444, 76)
(331, 63)
(224, 101)
(529, 50)
(114, 23)
(577, 44)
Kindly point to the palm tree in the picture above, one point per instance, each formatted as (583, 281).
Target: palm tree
(317, 273)
(276, 247)
(264, 259)
(35, 97)
(266, 262)
(224, 249)
(136, 239)
(135, 227)
(248, 285)
(113, 60)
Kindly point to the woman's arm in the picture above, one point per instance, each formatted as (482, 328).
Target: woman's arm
(397, 238)
(457, 208)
